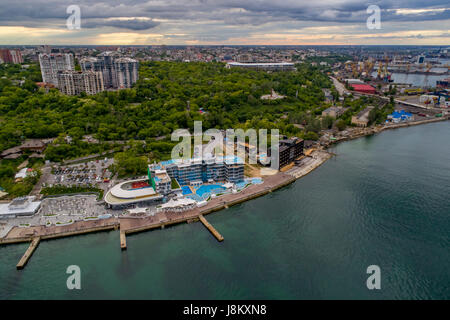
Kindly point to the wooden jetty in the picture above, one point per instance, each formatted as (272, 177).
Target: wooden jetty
(23, 261)
(210, 228)
(123, 240)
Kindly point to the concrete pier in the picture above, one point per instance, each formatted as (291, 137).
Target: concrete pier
(123, 240)
(23, 261)
(210, 228)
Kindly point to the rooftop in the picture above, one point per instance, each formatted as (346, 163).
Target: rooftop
(20, 206)
(125, 190)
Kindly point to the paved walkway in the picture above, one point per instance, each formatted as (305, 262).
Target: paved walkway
(43, 231)
(162, 218)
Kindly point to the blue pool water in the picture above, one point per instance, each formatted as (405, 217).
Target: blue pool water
(186, 190)
(256, 180)
(208, 189)
(195, 197)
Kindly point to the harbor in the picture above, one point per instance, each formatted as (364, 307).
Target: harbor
(293, 238)
(133, 225)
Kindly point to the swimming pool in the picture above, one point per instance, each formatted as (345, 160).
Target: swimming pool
(256, 180)
(242, 184)
(186, 190)
(208, 189)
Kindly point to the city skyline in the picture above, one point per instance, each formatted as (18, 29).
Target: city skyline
(206, 22)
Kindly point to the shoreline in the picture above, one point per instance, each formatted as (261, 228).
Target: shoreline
(131, 225)
(378, 129)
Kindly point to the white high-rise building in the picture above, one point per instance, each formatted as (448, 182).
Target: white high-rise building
(53, 63)
(76, 82)
(127, 72)
(118, 73)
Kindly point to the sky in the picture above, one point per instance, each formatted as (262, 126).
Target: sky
(232, 22)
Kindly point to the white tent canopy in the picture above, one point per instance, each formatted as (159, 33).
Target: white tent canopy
(180, 203)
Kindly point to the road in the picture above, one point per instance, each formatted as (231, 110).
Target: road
(342, 90)
(46, 171)
(339, 86)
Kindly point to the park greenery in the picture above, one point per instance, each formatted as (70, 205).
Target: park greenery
(62, 190)
(8, 169)
(157, 105)
(136, 123)
(168, 96)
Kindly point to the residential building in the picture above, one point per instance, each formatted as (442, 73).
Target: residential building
(76, 82)
(117, 72)
(11, 56)
(196, 171)
(127, 72)
(160, 181)
(53, 63)
(289, 150)
(104, 63)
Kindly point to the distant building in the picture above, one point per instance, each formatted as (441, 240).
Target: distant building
(353, 81)
(130, 193)
(197, 171)
(76, 82)
(362, 118)
(52, 63)
(328, 96)
(11, 56)
(117, 72)
(420, 59)
(103, 63)
(364, 88)
(333, 112)
(45, 86)
(268, 66)
(31, 145)
(399, 116)
(244, 58)
(23, 173)
(160, 181)
(289, 150)
(445, 83)
(127, 72)
(11, 153)
(19, 207)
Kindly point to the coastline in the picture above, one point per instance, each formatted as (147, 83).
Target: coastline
(378, 129)
(131, 225)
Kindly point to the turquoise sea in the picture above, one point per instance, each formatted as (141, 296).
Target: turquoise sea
(383, 200)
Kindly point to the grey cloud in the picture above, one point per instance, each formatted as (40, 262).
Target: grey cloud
(131, 24)
(218, 20)
(229, 11)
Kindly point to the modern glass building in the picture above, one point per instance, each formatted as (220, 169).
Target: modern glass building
(194, 171)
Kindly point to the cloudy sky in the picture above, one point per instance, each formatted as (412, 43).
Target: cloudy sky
(142, 22)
